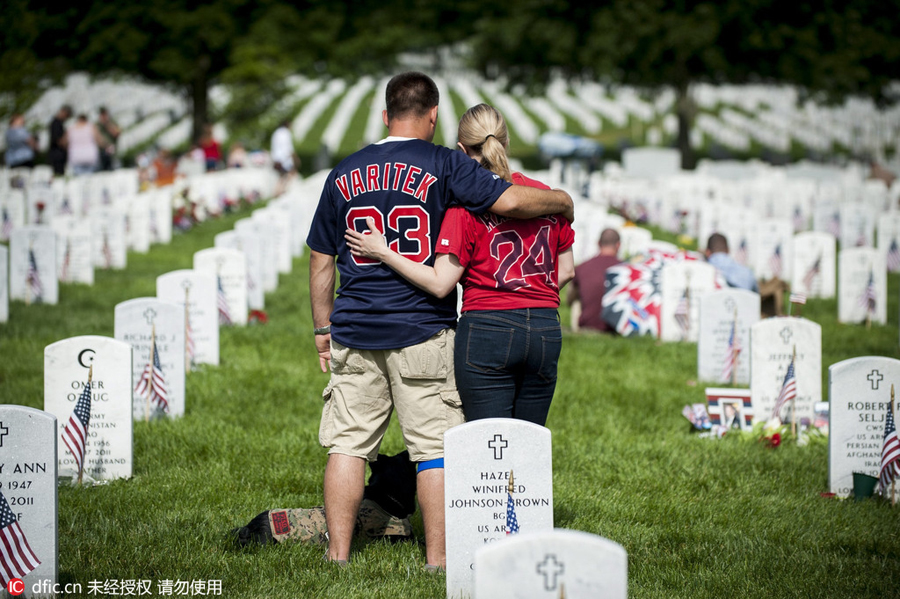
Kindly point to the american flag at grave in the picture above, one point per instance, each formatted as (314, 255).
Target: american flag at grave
(28, 440)
(108, 448)
(148, 323)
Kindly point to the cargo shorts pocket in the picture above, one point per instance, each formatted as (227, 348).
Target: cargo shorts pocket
(326, 425)
(346, 361)
(453, 410)
(428, 360)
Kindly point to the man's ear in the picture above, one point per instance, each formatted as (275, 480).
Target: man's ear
(434, 116)
(384, 117)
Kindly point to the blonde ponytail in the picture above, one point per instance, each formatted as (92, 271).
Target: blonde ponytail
(483, 132)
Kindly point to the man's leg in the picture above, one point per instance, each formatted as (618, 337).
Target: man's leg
(430, 488)
(344, 482)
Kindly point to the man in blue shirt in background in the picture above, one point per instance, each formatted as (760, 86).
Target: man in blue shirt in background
(736, 275)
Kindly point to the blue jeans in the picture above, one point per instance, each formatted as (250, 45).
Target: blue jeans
(505, 362)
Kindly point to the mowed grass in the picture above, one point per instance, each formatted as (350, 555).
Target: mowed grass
(698, 517)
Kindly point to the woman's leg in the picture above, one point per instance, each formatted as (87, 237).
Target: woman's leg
(544, 343)
(488, 346)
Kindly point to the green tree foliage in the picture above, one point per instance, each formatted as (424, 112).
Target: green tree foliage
(22, 76)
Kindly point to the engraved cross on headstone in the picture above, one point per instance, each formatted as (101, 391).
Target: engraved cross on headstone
(4, 430)
(150, 314)
(186, 284)
(730, 305)
(786, 334)
(875, 377)
(550, 569)
(498, 444)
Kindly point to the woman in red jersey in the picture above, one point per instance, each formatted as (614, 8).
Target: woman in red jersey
(508, 340)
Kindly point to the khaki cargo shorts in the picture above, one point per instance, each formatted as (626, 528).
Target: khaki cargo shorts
(367, 385)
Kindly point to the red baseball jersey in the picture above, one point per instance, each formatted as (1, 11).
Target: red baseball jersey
(510, 263)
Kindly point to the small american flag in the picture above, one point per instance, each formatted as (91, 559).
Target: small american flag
(799, 221)
(890, 452)
(74, 433)
(67, 260)
(512, 523)
(188, 337)
(893, 257)
(153, 382)
(788, 390)
(65, 208)
(741, 254)
(7, 225)
(107, 252)
(775, 262)
(683, 311)
(222, 301)
(798, 298)
(812, 273)
(16, 557)
(33, 278)
(834, 224)
(869, 298)
(731, 353)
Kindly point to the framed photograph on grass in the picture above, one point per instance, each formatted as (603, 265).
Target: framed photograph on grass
(730, 408)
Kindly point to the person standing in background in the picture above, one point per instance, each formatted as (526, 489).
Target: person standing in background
(84, 146)
(284, 159)
(212, 152)
(57, 154)
(109, 134)
(20, 143)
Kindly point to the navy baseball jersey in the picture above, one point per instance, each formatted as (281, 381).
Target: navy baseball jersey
(406, 186)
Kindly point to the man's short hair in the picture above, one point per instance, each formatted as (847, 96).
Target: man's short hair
(410, 94)
(717, 243)
(609, 238)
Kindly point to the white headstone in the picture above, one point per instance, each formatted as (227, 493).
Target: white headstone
(478, 459)
(682, 286)
(720, 312)
(857, 226)
(40, 205)
(4, 284)
(160, 201)
(269, 272)
(772, 342)
(889, 239)
(110, 241)
(74, 260)
(28, 440)
(635, 240)
(12, 212)
(202, 319)
(552, 564)
(862, 285)
(138, 210)
(813, 264)
(651, 163)
(251, 246)
(230, 269)
(108, 451)
(774, 249)
(859, 391)
(32, 265)
(279, 230)
(135, 321)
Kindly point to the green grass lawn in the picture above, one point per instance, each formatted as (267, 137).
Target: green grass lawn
(698, 517)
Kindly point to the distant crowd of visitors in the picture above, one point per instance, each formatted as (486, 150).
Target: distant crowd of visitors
(82, 147)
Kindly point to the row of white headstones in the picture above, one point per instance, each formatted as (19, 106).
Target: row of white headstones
(34, 457)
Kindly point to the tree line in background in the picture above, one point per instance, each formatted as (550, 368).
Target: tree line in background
(828, 49)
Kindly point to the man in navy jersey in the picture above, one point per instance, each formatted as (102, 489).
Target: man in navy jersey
(389, 344)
